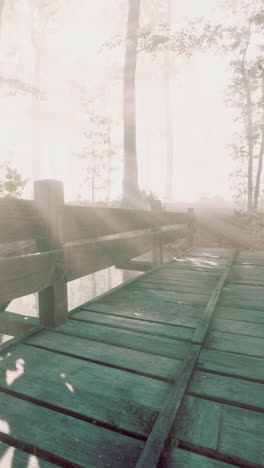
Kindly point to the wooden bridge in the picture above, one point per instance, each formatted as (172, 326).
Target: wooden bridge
(166, 370)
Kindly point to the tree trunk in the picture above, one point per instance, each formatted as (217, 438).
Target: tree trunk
(168, 117)
(2, 2)
(130, 179)
(261, 151)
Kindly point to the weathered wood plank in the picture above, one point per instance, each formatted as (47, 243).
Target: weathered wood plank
(19, 220)
(67, 391)
(162, 296)
(228, 389)
(241, 315)
(159, 434)
(127, 339)
(134, 324)
(131, 360)
(11, 457)
(153, 311)
(158, 286)
(88, 222)
(107, 382)
(242, 435)
(232, 364)
(250, 346)
(27, 274)
(13, 324)
(198, 422)
(179, 458)
(239, 328)
(90, 256)
(76, 441)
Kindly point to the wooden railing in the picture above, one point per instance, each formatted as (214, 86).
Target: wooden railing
(73, 241)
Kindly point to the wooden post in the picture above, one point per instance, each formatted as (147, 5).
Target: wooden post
(49, 199)
(157, 246)
(190, 227)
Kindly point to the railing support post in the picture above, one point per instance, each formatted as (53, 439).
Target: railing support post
(157, 246)
(190, 227)
(49, 199)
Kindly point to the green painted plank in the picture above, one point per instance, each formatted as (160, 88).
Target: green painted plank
(11, 457)
(138, 361)
(232, 364)
(228, 389)
(162, 313)
(134, 324)
(115, 397)
(198, 422)
(250, 346)
(239, 328)
(242, 315)
(170, 287)
(242, 435)
(161, 296)
(178, 458)
(66, 437)
(127, 339)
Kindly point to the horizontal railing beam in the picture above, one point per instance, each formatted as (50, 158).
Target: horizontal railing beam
(20, 276)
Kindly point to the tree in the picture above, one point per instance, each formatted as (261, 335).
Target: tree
(11, 183)
(130, 180)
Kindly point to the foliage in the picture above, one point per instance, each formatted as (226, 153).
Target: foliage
(11, 184)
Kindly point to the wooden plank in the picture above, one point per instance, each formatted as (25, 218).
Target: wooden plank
(198, 422)
(228, 390)
(250, 346)
(19, 220)
(232, 364)
(241, 315)
(87, 257)
(161, 346)
(131, 360)
(152, 311)
(159, 434)
(168, 287)
(19, 339)
(110, 401)
(88, 222)
(179, 458)
(13, 324)
(105, 381)
(134, 324)
(162, 296)
(27, 274)
(210, 308)
(239, 328)
(76, 441)
(242, 435)
(12, 457)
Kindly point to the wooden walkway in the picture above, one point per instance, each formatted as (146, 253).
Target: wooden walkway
(167, 370)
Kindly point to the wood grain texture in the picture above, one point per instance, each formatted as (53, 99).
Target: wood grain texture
(227, 389)
(70, 439)
(84, 391)
(250, 346)
(12, 457)
(27, 274)
(232, 364)
(89, 222)
(134, 324)
(127, 339)
(20, 220)
(179, 458)
(128, 359)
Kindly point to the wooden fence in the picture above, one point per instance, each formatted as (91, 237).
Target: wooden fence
(73, 241)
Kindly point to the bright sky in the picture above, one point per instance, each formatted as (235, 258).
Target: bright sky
(202, 123)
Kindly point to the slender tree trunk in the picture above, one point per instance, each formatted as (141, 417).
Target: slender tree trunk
(2, 2)
(168, 117)
(36, 119)
(130, 180)
(261, 151)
